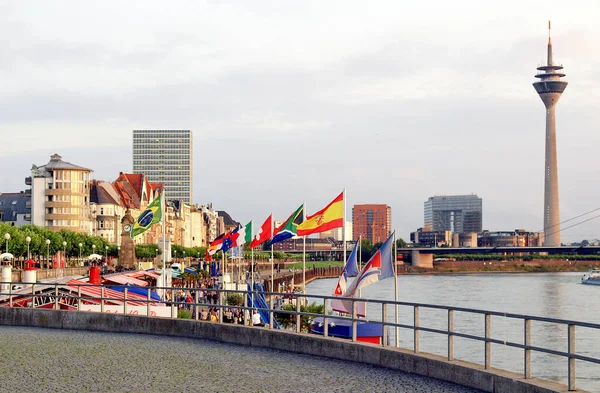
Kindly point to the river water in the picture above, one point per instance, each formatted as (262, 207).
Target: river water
(554, 295)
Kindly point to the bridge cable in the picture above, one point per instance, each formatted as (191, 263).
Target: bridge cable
(574, 225)
(570, 219)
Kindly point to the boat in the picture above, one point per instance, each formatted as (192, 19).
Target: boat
(592, 277)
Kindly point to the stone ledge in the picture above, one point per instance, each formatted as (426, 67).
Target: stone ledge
(433, 366)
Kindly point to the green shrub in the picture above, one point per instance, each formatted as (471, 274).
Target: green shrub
(184, 313)
(234, 299)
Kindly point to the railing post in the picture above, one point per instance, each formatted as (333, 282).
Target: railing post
(298, 316)
(384, 327)
(33, 295)
(571, 347)
(196, 306)
(148, 297)
(488, 345)
(271, 302)
(450, 335)
(102, 299)
(10, 297)
(325, 319)
(527, 343)
(354, 321)
(174, 313)
(416, 329)
(125, 301)
(221, 306)
(79, 298)
(56, 296)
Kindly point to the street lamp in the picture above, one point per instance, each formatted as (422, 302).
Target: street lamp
(156, 252)
(47, 253)
(184, 257)
(7, 237)
(65, 251)
(28, 240)
(106, 253)
(175, 255)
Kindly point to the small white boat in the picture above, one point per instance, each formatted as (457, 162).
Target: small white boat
(592, 277)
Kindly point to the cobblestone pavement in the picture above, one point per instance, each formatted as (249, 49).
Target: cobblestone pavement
(48, 360)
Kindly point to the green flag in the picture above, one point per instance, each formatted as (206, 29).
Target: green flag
(152, 215)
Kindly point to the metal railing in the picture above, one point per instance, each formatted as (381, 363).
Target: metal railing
(74, 297)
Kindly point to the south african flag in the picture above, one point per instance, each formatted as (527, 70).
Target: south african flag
(152, 215)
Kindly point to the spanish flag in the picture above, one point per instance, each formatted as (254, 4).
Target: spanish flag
(330, 217)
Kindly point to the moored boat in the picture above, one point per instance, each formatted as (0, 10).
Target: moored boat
(592, 277)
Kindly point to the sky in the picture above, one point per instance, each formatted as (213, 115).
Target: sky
(293, 101)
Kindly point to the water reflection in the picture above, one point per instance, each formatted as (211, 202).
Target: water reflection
(555, 295)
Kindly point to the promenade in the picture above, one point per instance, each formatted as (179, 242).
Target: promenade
(50, 360)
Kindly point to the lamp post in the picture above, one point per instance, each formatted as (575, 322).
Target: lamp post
(175, 251)
(106, 254)
(156, 252)
(184, 258)
(65, 251)
(28, 240)
(7, 237)
(47, 253)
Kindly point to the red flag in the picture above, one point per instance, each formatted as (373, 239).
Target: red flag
(264, 233)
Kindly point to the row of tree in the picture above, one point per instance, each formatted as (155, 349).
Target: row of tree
(69, 242)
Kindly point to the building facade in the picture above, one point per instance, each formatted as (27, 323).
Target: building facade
(372, 222)
(455, 213)
(15, 208)
(337, 234)
(166, 157)
(60, 196)
(426, 238)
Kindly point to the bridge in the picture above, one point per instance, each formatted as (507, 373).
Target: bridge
(444, 366)
(423, 256)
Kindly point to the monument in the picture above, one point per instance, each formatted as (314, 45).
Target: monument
(127, 251)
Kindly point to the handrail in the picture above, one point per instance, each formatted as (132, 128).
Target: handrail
(9, 296)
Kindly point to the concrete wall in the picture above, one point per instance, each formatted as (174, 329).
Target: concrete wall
(423, 260)
(462, 373)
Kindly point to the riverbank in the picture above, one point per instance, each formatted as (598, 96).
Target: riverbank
(535, 266)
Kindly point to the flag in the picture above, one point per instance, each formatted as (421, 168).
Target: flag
(152, 215)
(330, 217)
(228, 239)
(287, 230)
(243, 235)
(379, 267)
(264, 233)
(216, 244)
(350, 270)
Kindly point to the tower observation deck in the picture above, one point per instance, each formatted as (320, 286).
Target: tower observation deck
(550, 88)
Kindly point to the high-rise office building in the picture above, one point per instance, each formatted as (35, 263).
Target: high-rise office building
(373, 222)
(165, 156)
(550, 89)
(456, 213)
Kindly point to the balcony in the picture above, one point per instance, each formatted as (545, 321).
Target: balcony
(28, 192)
(28, 181)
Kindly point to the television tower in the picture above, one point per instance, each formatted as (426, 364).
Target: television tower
(550, 88)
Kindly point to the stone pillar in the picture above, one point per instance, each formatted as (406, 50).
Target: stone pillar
(420, 259)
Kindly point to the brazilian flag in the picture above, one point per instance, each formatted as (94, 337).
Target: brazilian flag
(152, 215)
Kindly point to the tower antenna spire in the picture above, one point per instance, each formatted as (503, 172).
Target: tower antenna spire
(549, 29)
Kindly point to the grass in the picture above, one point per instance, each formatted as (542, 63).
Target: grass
(310, 264)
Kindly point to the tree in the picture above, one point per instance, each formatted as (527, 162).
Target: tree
(400, 243)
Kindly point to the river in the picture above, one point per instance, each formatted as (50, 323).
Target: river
(555, 295)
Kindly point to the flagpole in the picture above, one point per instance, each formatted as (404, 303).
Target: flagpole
(359, 261)
(164, 253)
(396, 290)
(303, 253)
(344, 227)
(252, 270)
(272, 260)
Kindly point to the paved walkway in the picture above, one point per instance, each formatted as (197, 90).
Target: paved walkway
(47, 360)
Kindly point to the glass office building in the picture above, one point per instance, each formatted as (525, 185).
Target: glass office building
(165, 156)
(456, 213)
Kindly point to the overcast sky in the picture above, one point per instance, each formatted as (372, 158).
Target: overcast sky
(292, 101)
